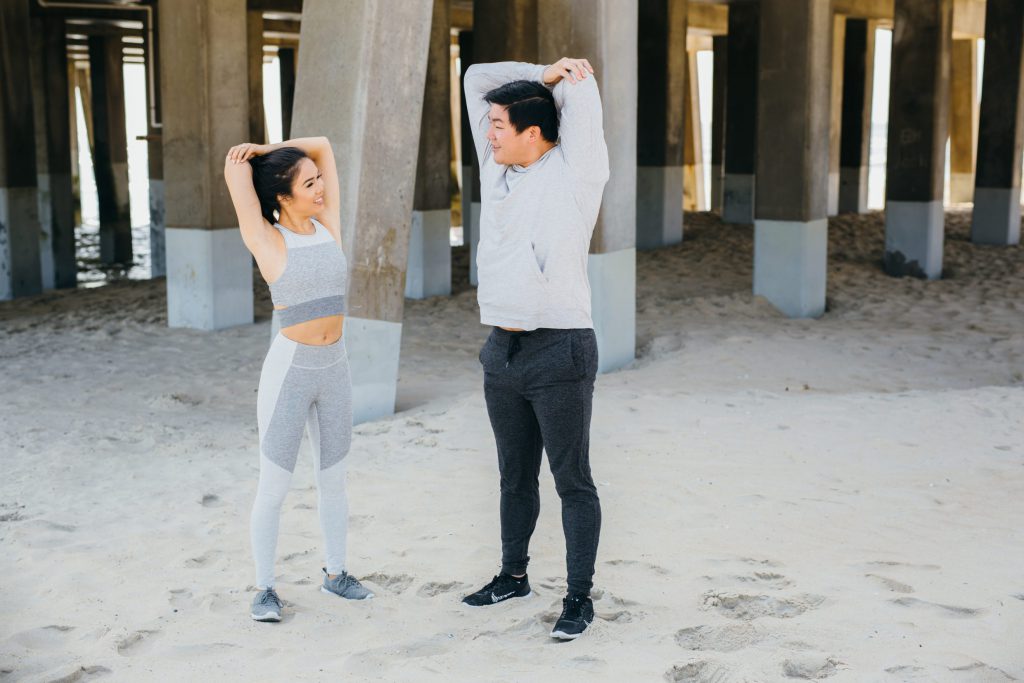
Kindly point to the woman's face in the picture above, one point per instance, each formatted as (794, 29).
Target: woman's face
(307, 190)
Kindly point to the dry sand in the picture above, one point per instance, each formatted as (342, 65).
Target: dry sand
(838, 498)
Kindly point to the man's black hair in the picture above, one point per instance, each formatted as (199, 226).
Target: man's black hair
(528, 103)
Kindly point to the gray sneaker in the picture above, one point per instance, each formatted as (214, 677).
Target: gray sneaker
(345, 585)
(266, 606)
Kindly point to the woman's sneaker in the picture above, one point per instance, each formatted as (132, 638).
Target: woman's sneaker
(502, 587)
(346, 586)
(266, 606)
(577, 615)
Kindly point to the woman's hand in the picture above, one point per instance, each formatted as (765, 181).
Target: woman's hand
(245, 151)
(567, 67)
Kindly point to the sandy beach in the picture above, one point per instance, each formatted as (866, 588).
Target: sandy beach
(835, 499)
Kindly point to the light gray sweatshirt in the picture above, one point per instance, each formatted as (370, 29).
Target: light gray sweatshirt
(536, 222)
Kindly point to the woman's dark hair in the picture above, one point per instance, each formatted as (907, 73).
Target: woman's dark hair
(272, 176)
(528, 104)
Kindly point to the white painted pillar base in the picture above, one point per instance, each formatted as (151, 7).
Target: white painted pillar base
(853, 189)
(790, 264)
(373, 355)
(961, 188)
(996, 218)
(913, 238)
(45, 199)
(157, 248)
(474, 212)
(429, 269)
(659, 206)
(209, 279)
(19, 245)
(738, 198)
(613, 307)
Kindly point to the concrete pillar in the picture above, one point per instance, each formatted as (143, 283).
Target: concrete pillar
(918, 121)
(741, 114)
(791, 228)
(429, 271)
(37, 76)
(693, 145)
(503, 30)
(286, 66)
(835, 111)
(155, 154)
(110, 154)
(470, 164)
(254, 41)
(20, 268)
(660, 111)
(963, 119)
(209, 270)
(1001, 131)
(605, 32)
(361, 77)
(718, 86)
(56, 89)
(855, 140)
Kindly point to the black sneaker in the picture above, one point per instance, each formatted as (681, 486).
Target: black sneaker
(502, 587)
(577, 614)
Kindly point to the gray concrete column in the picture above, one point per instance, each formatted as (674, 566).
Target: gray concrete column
(835, 111)
(429, 270)
(661, 109)
(791, 228)
(693, 141)
(59, 136)
(110, 158)
(855, 140)
(209, 270)
(20, 267)
(37, 77)
(997, 209)
(286, 66)
(605, 32)
(918, 122)
(361, 77)
(254, 41)
(155, 155)
(470, 164)
(503, 30)
(741, 114)
(718, 86)
(963, 119)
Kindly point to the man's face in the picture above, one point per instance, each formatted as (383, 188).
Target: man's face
(510, 146)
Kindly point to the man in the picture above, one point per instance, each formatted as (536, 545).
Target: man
(543, 166)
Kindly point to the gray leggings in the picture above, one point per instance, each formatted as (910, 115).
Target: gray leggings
(302, 387)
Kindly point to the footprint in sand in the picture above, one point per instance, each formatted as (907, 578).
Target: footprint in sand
(211, 500)
(875, 564)
(892, 584)
(50, 637)
(180, 598)
(397, 583)
(702, 671)
(636, 563)
(204, 560)
(747, 607)
(75, 674)
(810, 668)
(727, 638)
(434, 588)
(946, 610)
(136, 642)
(980, 671)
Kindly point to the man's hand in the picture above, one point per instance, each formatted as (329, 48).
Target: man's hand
(567, 67)
(245, 151)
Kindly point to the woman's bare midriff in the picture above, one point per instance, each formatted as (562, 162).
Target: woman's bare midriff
(318, 332)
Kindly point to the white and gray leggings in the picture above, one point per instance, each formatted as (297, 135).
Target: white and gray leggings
(302, 386)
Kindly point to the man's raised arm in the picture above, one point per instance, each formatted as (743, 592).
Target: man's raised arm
(581, 120)
(480, 80)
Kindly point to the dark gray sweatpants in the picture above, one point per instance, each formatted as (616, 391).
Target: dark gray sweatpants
(539, 388)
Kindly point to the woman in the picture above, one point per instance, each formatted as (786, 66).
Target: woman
(287, 200)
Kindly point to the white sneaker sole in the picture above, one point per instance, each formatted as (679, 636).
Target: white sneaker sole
(265, 617)
(561, 635)
(492, 604)
(324, 590)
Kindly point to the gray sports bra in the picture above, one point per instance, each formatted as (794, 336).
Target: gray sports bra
(314, 279)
